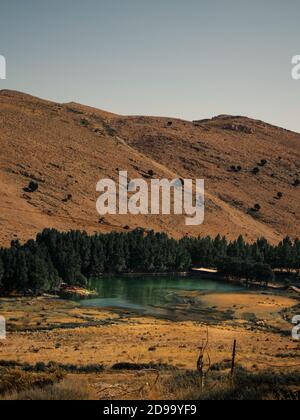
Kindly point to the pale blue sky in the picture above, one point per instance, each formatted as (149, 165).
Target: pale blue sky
(184, 58)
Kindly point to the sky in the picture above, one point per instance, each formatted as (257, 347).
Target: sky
(190, 59)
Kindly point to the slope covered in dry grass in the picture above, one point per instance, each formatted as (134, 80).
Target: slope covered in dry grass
(67, 148)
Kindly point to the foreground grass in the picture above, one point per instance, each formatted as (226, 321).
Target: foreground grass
(50, 384)
(244, 386)
(15, 380)
(17, 384)
(67, 390)
(154, 358)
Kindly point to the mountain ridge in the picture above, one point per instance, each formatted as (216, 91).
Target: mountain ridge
(67, 148)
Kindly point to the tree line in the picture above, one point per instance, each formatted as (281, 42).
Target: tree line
(75, 257)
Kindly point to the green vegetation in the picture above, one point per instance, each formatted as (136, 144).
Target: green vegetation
(255, 171)
(32, 187)
(142, 366)
(296, 183)
(251, 272)
(75, 257)
(263, 162)
(208, 252)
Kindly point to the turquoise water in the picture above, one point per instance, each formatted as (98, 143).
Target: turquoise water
(152, 295)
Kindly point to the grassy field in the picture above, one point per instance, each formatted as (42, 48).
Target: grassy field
(58, 350)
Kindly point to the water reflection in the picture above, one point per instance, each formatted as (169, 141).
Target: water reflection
(150, 295)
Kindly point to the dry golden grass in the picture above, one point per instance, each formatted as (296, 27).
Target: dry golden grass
(70, 389)
(182, 385)
(144, 340)
(244, 385)
(50, 143)
(16, 380)
(46, 313)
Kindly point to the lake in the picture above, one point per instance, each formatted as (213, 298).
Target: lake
(171, 297)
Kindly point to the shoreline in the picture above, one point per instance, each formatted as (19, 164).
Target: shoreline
(32, 321)
(77, 292)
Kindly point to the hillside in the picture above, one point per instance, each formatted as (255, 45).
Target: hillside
(67, 148)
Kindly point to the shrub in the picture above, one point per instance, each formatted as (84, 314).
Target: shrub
(263, 162)
(67, 198)
(255, 171)
(84, 122)
(296, 183)
(41, 367)
(60, 367)
(142, 366)
(33, 186)
(234, 168)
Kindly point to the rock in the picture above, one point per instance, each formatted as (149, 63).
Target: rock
(74, 292)
(238, 128)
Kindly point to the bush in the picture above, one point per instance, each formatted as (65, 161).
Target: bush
(65, 368)
(263, 162)
(33, 186)
(67, 198)
(234, 168)
(142, 366)
(84, 122)
(296, 183)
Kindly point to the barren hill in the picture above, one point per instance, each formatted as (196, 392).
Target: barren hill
(67, 148)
